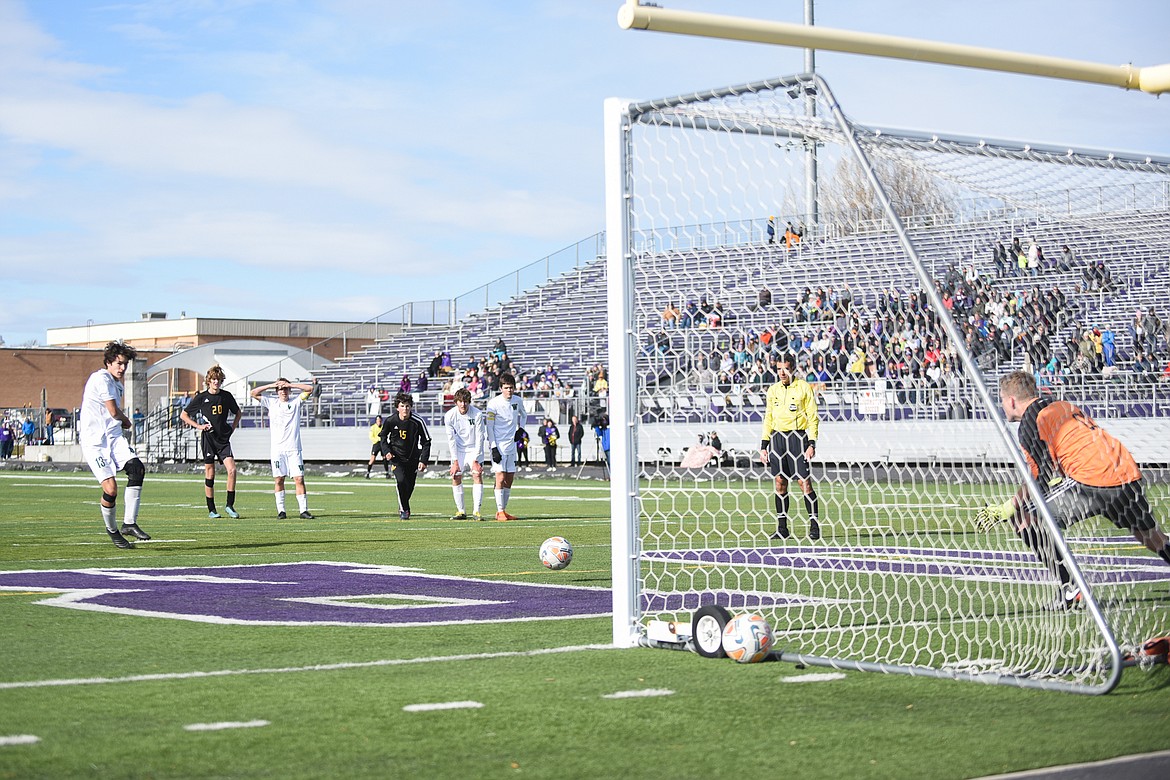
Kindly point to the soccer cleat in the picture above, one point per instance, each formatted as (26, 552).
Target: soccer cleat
(133, 530)
(503, 516)
(459, 516)
(307, 515)
(814, 530)
(404, 515)
(231, 512)
(782, 531)
(367, 475)
(1069, 598)
(214, 515)
(478, 517)
(121, 542)
(281, 516)
(511, 517)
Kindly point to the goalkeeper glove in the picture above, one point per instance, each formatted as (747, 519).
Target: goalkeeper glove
(496, 456)
(993, 514)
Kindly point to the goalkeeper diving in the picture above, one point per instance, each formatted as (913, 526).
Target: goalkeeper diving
(1082, 470)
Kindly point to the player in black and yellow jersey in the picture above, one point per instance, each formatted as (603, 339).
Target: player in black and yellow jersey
(408, 444)
(1083, 471)
(789, 441)
(215, 413)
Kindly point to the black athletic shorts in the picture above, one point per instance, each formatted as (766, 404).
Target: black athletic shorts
(1124, 505)
(786, 456)
(214, 449)
(379, 449)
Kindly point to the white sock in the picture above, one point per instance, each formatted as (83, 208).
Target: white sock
(457, 491)
(108, 518)
(132, 497)
(506, 493)
(279, 500)
(500, 503)
(477, 496)
(303, 502)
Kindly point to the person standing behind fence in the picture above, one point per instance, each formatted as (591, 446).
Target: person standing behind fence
(576, 438)
(213, 406)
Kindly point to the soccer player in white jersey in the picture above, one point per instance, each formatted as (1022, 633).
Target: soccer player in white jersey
(105, 449)
(505, 415)
(284, 419)
(465, 438)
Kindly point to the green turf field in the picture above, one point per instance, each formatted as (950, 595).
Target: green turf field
(127, 694)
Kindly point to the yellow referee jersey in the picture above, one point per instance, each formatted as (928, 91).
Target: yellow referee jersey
(791, 408)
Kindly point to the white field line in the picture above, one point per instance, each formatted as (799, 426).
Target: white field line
(803, 678)
(247, 724)
(294, 669)
(19, 739)
(644, 693)
(445, 705)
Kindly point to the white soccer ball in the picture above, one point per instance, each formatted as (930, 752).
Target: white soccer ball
(747, 638)
(556, 552)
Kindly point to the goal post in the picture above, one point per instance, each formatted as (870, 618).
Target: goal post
(902, 316)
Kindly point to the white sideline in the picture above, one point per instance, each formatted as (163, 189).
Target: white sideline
(291, 669)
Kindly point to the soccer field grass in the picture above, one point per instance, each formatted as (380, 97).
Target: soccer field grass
(217, 671)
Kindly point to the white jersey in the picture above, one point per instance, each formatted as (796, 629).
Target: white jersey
(97, 427)
(504, 418)
(284, 418)
(465, 432)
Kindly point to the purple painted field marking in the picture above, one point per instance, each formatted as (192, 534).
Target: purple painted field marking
(308, 593)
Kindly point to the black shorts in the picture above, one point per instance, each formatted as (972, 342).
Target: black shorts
(379, 449)
(214, 449)
(786, 456)
(1124, 505)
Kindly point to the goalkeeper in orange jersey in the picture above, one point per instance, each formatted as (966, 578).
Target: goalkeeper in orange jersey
(1083, 471)
(789, 441)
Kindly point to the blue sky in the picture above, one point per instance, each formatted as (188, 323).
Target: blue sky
(334, 159)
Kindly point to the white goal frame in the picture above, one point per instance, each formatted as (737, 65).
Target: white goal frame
(621, 119)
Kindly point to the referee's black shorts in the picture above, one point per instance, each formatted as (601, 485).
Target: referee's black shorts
(379, 450)
(786, 455)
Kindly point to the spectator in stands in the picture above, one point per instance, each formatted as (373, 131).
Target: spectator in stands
(791, 237)
(445, 368)
(404, 385)
(763, 299)
(435, 364)
(601, 385)
(690, 317)
(500, 349)
(670, 315)
(771, 230)
(1000, 258)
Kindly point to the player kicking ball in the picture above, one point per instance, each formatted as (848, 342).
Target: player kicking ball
(105, 449)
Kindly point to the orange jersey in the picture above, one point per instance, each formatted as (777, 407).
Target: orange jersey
(1059, 439)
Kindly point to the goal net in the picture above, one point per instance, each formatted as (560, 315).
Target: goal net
(905, 272)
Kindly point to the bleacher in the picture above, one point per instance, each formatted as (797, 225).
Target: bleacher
(563, 321)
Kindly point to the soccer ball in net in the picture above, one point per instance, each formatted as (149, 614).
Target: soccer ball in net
(747, 638)
(556, 552)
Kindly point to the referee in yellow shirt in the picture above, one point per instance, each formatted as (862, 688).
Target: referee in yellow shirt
(789, 441)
